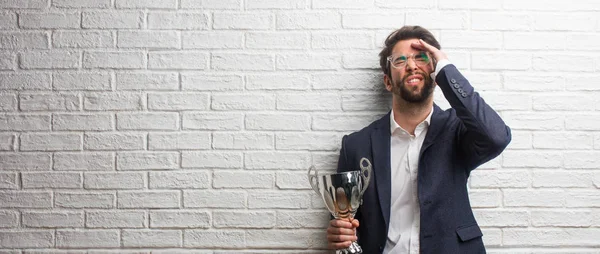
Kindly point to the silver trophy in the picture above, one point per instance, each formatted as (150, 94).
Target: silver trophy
(342, 193)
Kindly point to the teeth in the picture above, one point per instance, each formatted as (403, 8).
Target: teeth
(413, 80)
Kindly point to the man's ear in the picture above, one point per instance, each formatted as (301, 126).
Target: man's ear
(387, 81)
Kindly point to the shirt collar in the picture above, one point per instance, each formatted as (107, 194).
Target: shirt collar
(420, 127)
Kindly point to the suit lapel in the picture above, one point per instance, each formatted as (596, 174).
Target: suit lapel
(380, 140)
(436, 125)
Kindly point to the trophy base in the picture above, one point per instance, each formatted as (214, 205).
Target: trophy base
(353, 249)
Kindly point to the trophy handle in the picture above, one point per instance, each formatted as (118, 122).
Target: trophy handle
(313, 179)
(365, 174)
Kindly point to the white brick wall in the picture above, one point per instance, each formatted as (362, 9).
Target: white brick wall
(187, 126)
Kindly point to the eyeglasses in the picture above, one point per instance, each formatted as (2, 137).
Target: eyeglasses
(399, 61)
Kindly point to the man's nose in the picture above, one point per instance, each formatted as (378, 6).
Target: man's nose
(410, 64)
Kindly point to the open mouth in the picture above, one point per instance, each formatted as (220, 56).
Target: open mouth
(414, 79)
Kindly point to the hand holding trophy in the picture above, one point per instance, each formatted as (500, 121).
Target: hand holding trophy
(342, 193)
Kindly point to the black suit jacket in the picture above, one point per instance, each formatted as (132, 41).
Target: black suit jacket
(458, 140)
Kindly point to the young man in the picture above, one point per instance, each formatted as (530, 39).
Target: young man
(417, 200)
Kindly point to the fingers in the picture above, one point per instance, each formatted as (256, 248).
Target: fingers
(355, 223)
(341, 233)
(339, 245)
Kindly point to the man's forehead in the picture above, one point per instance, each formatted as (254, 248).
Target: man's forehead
(404, 47)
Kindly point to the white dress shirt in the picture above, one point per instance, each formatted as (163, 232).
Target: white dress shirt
(403, 233)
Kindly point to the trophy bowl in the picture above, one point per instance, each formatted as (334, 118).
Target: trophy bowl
(342, 193)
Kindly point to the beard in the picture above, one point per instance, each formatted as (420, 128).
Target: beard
(412, 94)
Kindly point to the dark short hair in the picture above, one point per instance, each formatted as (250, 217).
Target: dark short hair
(404, 33)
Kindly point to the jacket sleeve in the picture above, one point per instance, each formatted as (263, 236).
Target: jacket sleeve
(483, 135)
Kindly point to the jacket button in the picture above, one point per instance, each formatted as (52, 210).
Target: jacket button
(456, 86)
(460, 91)
(453, 81)
(464, 95)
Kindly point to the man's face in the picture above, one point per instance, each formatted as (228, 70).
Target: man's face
(412, 82)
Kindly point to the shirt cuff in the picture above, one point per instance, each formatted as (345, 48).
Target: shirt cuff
(441, 64)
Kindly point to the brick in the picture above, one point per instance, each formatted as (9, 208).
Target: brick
(534, 82)
(277, 82)
(147, 121)
(563, 102)
(146, 4)
(213, 239)
(342, 122)
(284, 200)
(242, 20)
(84, 161)
(586, 41)
(24, 122)
(179, 219)
(582, 198)
(361, 20)
(114, 141)
(9, 181)
(279, 40)
(23, 40)
(561, 218)
(544, 237)
(113, 101)
(289, 180)
(91, 81)
(51, 180)
(25, 81)
(177, 60)
(8, 60)
(471, 40)
(488, 61)
(521, 140)
(147, 81)
(344, 4)
(213, 121)
(178, 20)
(500, 179)
(302, 219)
(8, 20)
(147, 160)
(485, 198)
(84, 199)
(53, 219)
(250, 62)
(9, 219)
(25, 161)
(115, 219)
(49, 20)
(280, 121)
(8, 102)
(49, 60)
(500, 21)
(308, 20)
(148, 39)
(285, 238)
(179, 141)
(212, 40)
(111, 181)
(534, 198)
(471, 4)
(563, 63)
(205, 82)
(7, 142)
(233, 219)
(538, 121)
(438, 19)
(535, 159)
(337, 40)
(82, 39)
(309, 101)
(25, 199)
(581, 160)
(211, 159)
(243, 141)
(179, 180)
(245, 101)
(178, 101)
(81, 3)
(308, 61)
(117, 60)
(501, 218)
(277, 160)
(307, 141)
(563, 21)
(583, 122)
(347, 81)
(243, 180)
(211, 4)
(276, 4)
(536, 41)
(567, 141)
(501, 101)
(49, 102)
(27, 239)
(148, 199)
(151, 238)
(82, 122)
(214, 199)
(112, 20)
(362, 60)
(87, 238)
